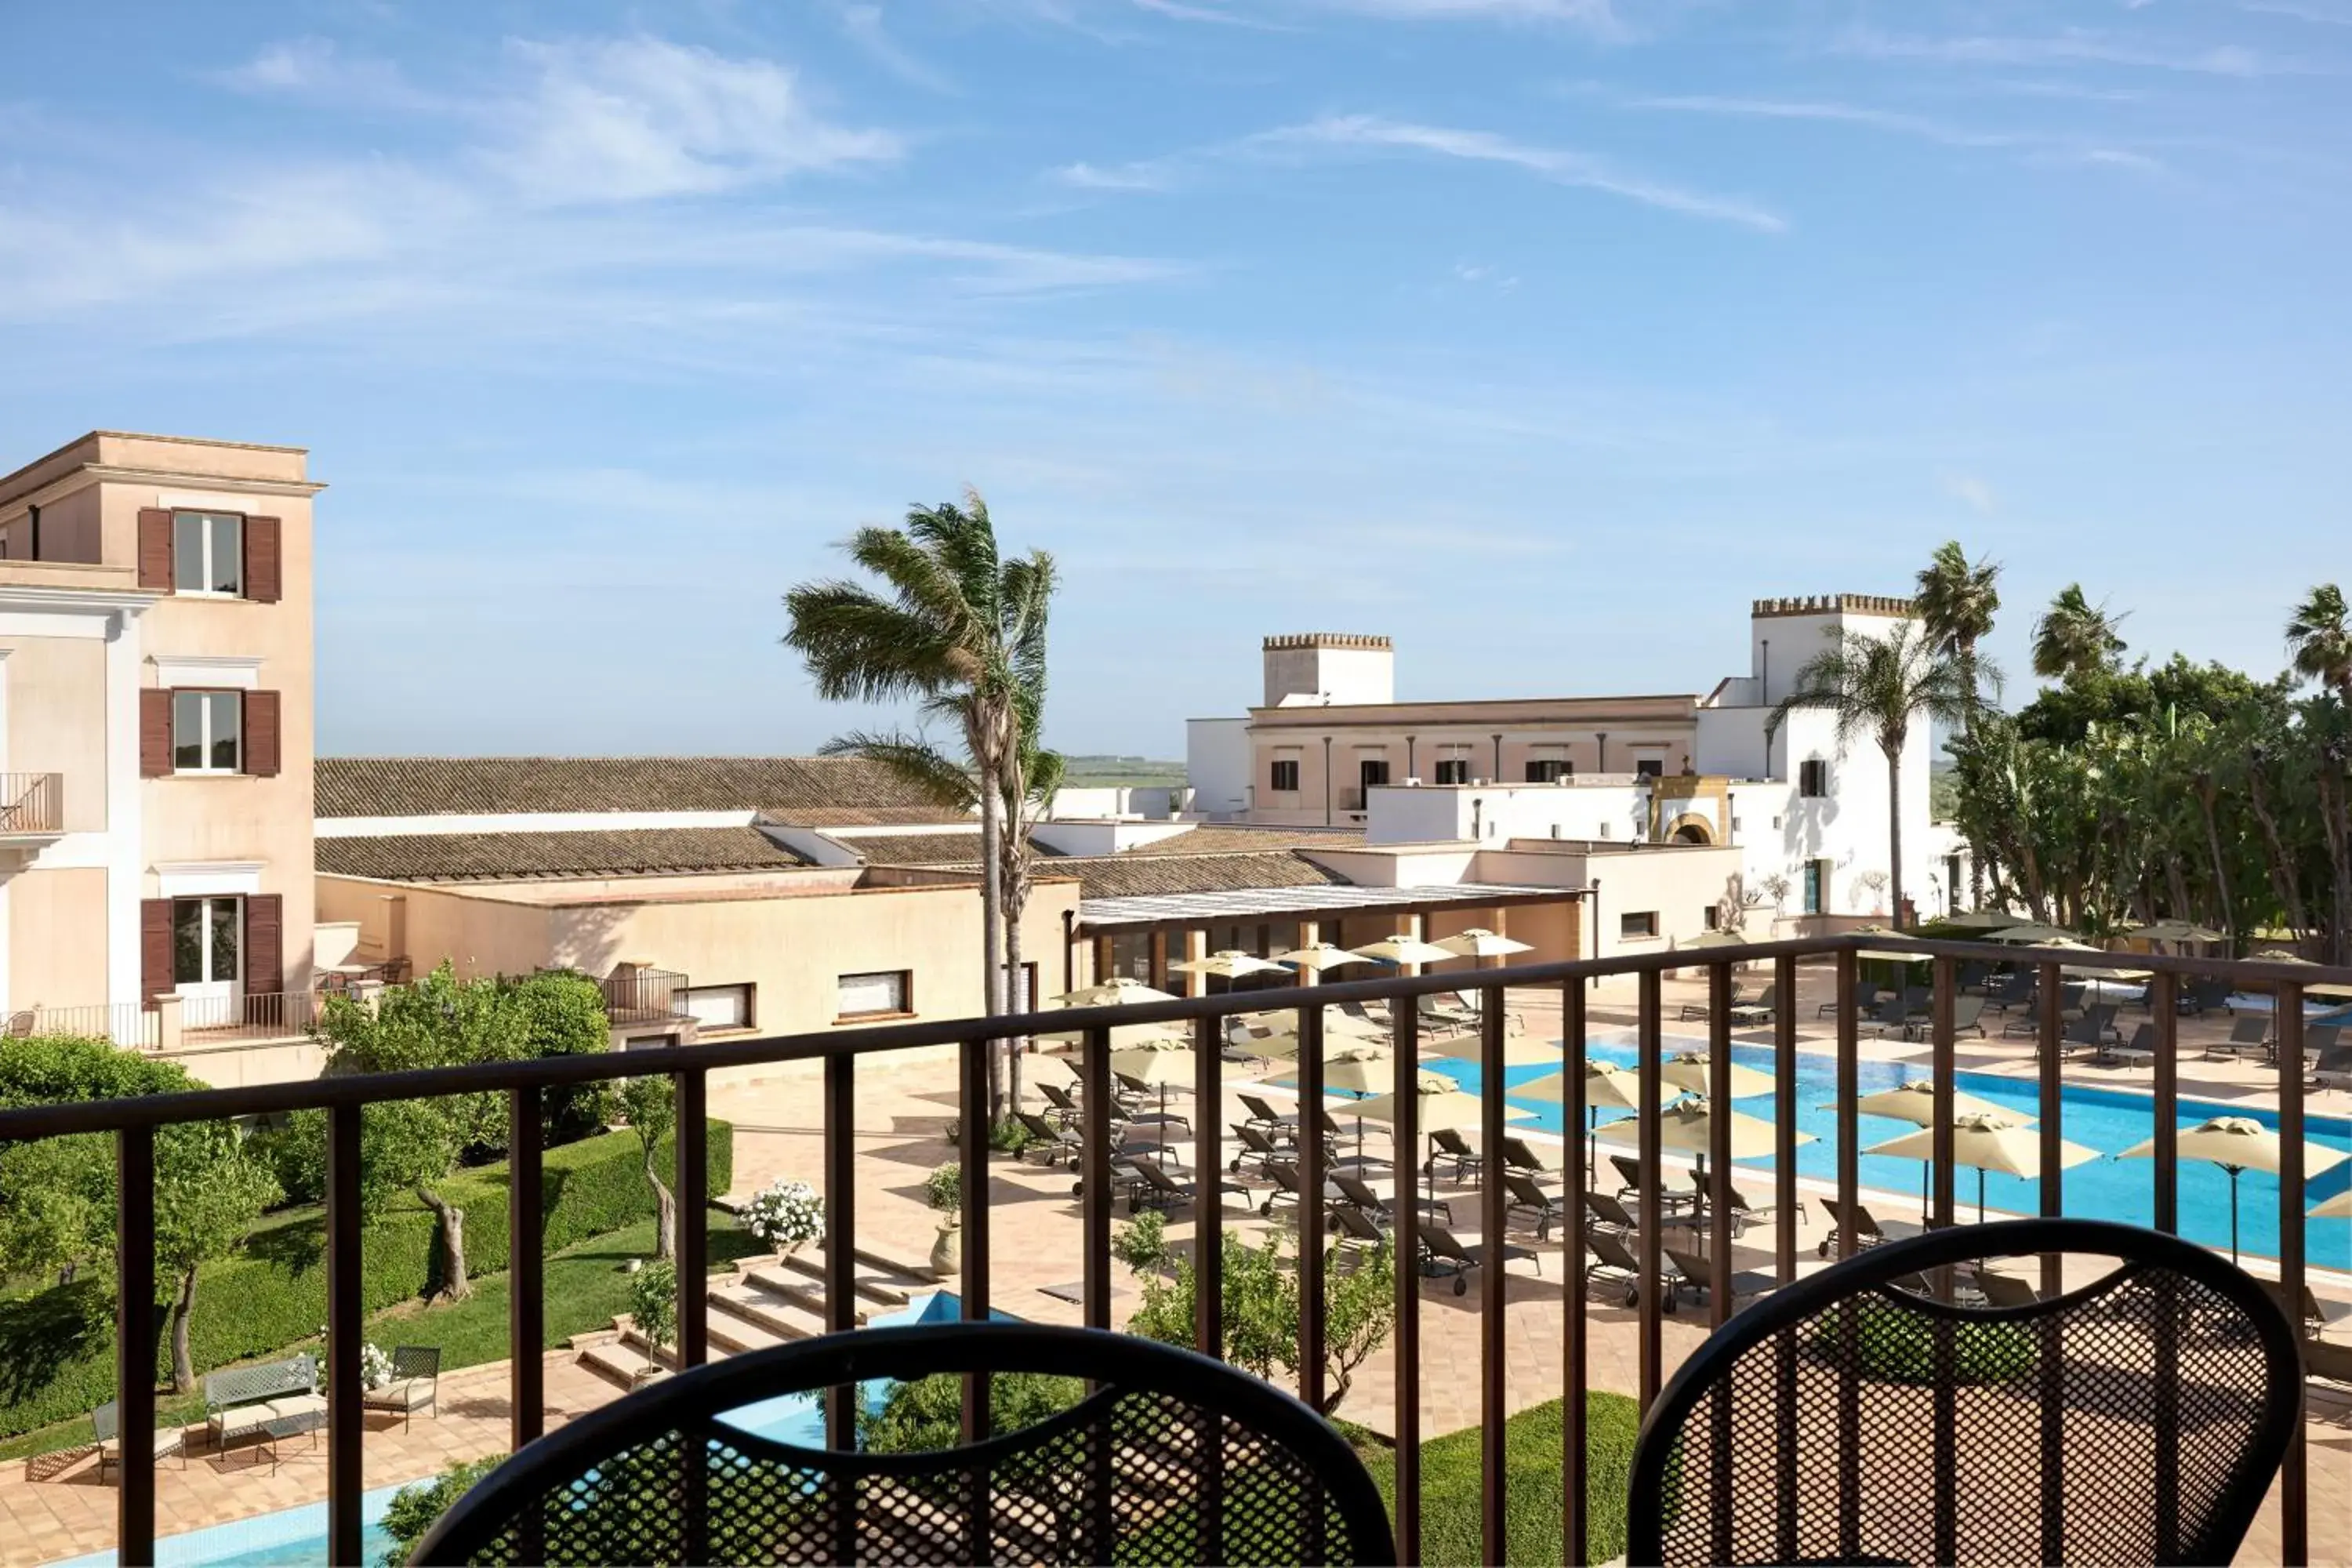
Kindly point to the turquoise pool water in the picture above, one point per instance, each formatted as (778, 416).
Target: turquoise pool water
(2108, 1121)
(298, 1535)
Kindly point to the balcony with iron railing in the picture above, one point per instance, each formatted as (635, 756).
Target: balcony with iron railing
(638, 996)
(32, 806)
(1526, 1338)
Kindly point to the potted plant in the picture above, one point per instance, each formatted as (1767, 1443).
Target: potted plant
(943, 1191)
(785, 1214)
(653, 1304)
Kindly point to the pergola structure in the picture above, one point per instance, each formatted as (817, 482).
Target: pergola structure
(1181, 921)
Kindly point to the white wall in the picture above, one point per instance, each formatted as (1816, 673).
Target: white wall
(1492, 813)
(1103, 802)
(1730, 741)
(1105, 838)
(1217, 766)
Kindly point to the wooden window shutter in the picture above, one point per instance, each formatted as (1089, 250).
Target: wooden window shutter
(156, 549)
(265, 944)
(261, 733)
(263, 572)
(154, 948)
(155, 732)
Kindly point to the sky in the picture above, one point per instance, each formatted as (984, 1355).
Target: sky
(1541, 335)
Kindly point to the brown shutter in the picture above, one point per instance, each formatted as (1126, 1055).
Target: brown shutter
(154, 948)
(262, 570)
(261, 733)
(156, 549)
(155, 732)
(265, 944)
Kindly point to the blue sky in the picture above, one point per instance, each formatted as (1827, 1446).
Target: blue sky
(1541, 335)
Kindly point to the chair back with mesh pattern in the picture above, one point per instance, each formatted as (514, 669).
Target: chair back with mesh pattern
(1172, 1458)
(2138, 1418)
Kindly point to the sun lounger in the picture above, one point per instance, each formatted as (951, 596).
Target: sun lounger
(1698, 1010)
(106, 1426)
(1526, 1197)
(1061, 1107)
(1743, 1212)
(1628, 1172)
(1694, 1272)
(1158, 1189)
(2334, 1070)
(2314, 1318)
(1761, 1010)
(1518, 1156)
(1868, 1229)
(1610, 1214)
(1286, 1190)
(1282, 1126)
(1442, 1253)
(1048, 1143)
(1865, 998)
(1610, 1258)
(1447, 1144)
(2004, 1290)
(2253, 1030)
(1358, 1231)
(2142, 1045)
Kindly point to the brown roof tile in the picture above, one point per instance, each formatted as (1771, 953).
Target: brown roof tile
(482, 856)
(1133, 874)
(913, 848)
(1230, 839)
(786, 787)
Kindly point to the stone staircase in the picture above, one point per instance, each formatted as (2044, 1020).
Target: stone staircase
(765, 1301)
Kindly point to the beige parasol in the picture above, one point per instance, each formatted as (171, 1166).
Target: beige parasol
(1607, 1087)
(1319, 956)
(1693, 1071)
(2338, 1207)
(1230, 963)
(1118, 991)
(2238, 1144)
(1987, 1142)
(1405, 948)
(1688, 1125)
(1480, 942)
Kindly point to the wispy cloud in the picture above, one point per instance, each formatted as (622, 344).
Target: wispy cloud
(862, 25)
(1560, 165)
(1145, 174)
(1970, 492)
(637, 118)
(315, 70)
(2312, 14)
(2039, 145)
(1599, 17)
(1183, 12)
(2073, 45)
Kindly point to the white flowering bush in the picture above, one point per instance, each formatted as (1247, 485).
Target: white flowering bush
(375, 1364)
(785, 1214)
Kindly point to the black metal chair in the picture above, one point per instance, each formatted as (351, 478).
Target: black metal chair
(2137, 1419)
(1174, 1458)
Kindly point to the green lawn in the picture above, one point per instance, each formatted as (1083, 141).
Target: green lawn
(1450, 1487)
(584, 1289)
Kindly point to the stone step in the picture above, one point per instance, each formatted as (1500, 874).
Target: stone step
(783, 1285)
(733, 1335)
(623, 1364)
(880, 1283)
(784, 1316)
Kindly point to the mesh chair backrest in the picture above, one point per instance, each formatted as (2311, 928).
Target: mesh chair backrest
(415, 1361)
(2137, 1419)
(1128, 1473)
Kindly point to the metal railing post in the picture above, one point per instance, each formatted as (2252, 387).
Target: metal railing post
(2294, 1496)
(526, 1263)
(1494, 1284)
(134, 1344)
(1649, 1032)
(1209, 1268)
(693, 1219)
(1405, 1145)
(1313, 1149)
(346, 1331)
(1574, 1529)
(1718, 1138)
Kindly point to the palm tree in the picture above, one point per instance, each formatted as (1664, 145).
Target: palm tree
(1876, 686)
(2319, 639)
(2075, 636)
(962, 631)
(1956, 604)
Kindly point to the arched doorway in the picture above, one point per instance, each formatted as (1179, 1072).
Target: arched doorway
(1690, 829)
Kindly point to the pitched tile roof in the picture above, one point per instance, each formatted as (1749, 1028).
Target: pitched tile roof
(790, 788)
(914, 848)
(1229, 838)
(1135, 874)
(482, 856)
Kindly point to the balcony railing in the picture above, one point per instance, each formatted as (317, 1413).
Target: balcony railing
(845, 1053)
(32, 802)
(644, 995)
(257, 1015)
(124, 1023)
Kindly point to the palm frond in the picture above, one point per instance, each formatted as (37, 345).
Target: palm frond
(913, 759)
(860, 647)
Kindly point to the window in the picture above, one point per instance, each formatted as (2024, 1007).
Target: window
(1372, 772)
(1549, 770)
(1632, 927)
(205, 940)
(1776, 825)
(720, 1006)
(1453, 769)
(1605, 830)
(1813, 779)
(207, 731)
(1816, 880)
(207, 552)
(888, 992)
(1713, 918)
(1286, 776)
(1649, 767)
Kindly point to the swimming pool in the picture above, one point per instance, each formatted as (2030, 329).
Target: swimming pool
(298, 1535)
(2108, 1121)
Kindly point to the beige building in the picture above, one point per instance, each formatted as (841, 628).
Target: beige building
(156, 740)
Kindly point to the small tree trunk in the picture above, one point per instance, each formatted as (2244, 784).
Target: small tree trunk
(2281, 866)
(455, 1286)
(1017, 997)
(2221, 866)
(184, 1307)
(1895, 825)
(664, 1214)
(991, 922)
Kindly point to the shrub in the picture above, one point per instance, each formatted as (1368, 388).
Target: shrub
(652, 1300)
(1142, 1242)
(943, 1188)
(57, 1354)
(417, 1509)
(1899, 1345)
(927, 1414)
(785, 1214)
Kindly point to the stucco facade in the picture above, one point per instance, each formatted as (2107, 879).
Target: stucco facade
(133, 568)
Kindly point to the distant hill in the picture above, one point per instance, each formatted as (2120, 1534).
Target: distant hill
(1102, 772)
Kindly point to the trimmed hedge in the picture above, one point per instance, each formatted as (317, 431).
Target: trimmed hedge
(57, 1346)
